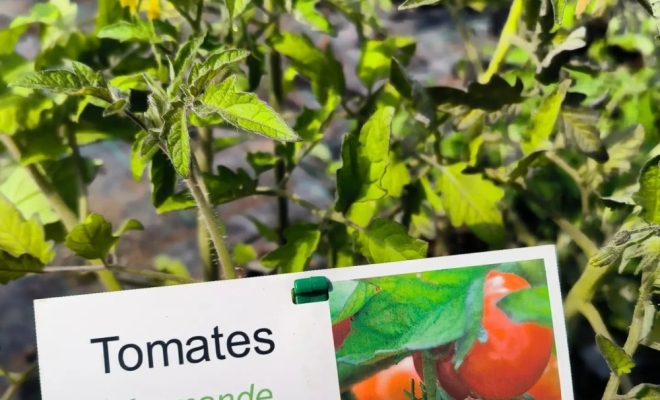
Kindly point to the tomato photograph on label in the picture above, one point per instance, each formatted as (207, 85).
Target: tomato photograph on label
(481, 332)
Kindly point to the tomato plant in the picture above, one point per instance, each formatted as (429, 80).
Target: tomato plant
(547, 387)
(554, 139)
(509, 357)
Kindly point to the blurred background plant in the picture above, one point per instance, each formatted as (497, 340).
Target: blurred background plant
(415, 142)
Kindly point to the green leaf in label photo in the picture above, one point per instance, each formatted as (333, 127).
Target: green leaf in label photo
(453, 314)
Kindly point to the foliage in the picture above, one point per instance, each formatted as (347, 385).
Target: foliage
(555, 142)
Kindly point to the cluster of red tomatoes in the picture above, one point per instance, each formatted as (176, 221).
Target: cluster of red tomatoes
(514, 359)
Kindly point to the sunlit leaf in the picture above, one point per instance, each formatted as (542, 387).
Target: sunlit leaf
(648, 195)
(125, 31)
(65, 82)
(245, 111)
(92, 239)
(202, 74)
(385, 240)
(20, 236)
(471, 200)
(171, 266)
(581, 130)
(116, 107)
(408, 4)
(301, 242)
(365, 157)
(175, 132)
(544, 118)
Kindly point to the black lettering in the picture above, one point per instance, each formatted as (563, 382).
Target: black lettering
(106, 356)
(164, 346)
(138, 364)
(216, 338)
(270, 343)
(204, 347)
(231, 344)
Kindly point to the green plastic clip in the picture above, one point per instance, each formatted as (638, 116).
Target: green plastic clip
(310, 290)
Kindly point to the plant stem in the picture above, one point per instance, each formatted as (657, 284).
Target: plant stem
(66, 215)
(83, 196)
(510, 29)
(276, 95)
(161, 276)
(570, 171)
(204, 154)
(429, 371)
(198, 18)
(635, 332)
(16, 384)
(323, 214)
(212, 223)
(470, 49)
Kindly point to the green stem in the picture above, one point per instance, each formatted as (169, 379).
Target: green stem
(276, 96)
(13, 388)
(510, 30)
(161, 276)
(198, 18)
(66, 215)
(323, 214)
(83, 196)
(470, 49)
(204, 154)
(214, 226)
(635, 332)
(429, 375)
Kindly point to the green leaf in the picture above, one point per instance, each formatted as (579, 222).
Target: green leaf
(12, 268)
(305, 11)
(20, 112)
(643, 391)
(648, 195)
(348, 297)
(385, 241)
(21, 190)
(408, 4)
(142, 151)
(162, 176)
(491, 96)
(376, 58)
(396, 176)
(266, 232)
(236, 7)
(184, 58)
(245, 111)
(116, 107)
(471, 200)
(558, 7)
(407, 314)
(20, 236)
(171, 266)
(124, 31)
(175, 132)
(65, 82)
(581, 130)
(544, 118)
(202, 74)
(528, 305)
(261, 161)
(620, 362)
(301, 242)
(321, 68)
(244, 253)
(92, 239)
(365, 157)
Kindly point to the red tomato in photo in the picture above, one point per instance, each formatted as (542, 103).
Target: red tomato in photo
(447, 376)
(340, 330)
(514, 355)
(389, 384)
(511, 358)
(547, 388)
